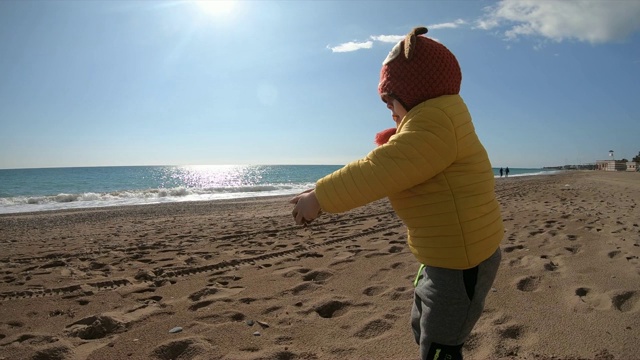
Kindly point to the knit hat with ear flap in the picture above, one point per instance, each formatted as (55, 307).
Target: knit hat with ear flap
(418, 69)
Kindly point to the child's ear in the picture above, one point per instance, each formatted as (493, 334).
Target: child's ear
(383, 136)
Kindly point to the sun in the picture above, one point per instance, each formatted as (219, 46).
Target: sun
(216, 7)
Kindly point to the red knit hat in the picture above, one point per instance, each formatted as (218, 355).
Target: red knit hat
(418, 69)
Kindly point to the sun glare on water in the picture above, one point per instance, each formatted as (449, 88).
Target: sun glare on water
(216, 7)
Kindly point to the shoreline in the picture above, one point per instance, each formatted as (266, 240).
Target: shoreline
(135, 207)
(85, 198)
(243, 282)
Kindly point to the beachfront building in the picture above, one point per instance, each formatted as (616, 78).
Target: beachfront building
(611, 165)
(632, 166)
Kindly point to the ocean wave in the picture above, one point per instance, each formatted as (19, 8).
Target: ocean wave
(147, 196)
(529, 173)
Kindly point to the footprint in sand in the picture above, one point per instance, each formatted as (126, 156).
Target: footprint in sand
(200, 305)
(626, 301)
(286, 354)
(83, 302)
(247, 300)
(373, 329)
(528, 284)
(375, 254)
(12, 324)
(332, 308)
(150, 299)
(214, 293)
(401, 293)
(32, 339)
(225, 317)
(551, 266)
(251, 349)
(302, 289)
(291, 271)
(515, 262)
(573, 249)
(513, 332)
(318, 276)
(536, 232)
(374, 290)
(310, 255)
(473, 342)
(224, 280)
(509, 249)
(500, 319)
(593, 299)
(95, 327)
(532, 262)
(56, 352)
(283, 340)
(506, 348)
(342, 258)
(188, 348)
(614, 254)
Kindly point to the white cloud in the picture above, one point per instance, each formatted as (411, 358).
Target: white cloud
(582, 20)
(388, 38)
(449, 25)
(355, 45)
(352, 46)
(487, 23)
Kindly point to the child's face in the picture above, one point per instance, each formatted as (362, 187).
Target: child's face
(397, 110)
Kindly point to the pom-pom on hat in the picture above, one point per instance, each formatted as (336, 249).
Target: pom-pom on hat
(418, 69)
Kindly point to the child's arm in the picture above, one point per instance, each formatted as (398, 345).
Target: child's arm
(423, 147)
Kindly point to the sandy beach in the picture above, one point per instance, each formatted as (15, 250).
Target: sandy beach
(239, 280)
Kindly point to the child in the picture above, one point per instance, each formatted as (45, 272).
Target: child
(439, 180)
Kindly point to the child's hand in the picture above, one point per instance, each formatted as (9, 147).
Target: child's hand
(306, 208)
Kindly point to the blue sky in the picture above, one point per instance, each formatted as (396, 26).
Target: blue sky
(89, 83)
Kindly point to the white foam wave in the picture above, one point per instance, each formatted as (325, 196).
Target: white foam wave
(541, 172)
(138, 197)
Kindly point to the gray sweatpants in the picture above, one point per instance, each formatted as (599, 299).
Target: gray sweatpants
(448, 303)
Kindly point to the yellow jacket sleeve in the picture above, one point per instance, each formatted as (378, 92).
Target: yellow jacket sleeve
(424, 145)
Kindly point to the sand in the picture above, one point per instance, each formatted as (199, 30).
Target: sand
(238, 280)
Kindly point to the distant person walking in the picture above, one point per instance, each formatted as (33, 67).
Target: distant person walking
(501, 171)
(506, 172)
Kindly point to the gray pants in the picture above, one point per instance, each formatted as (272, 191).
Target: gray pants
(448, 303)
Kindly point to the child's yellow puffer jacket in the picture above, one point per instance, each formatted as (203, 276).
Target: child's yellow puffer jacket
(439, 181)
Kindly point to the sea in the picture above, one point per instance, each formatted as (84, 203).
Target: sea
(34, 190)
